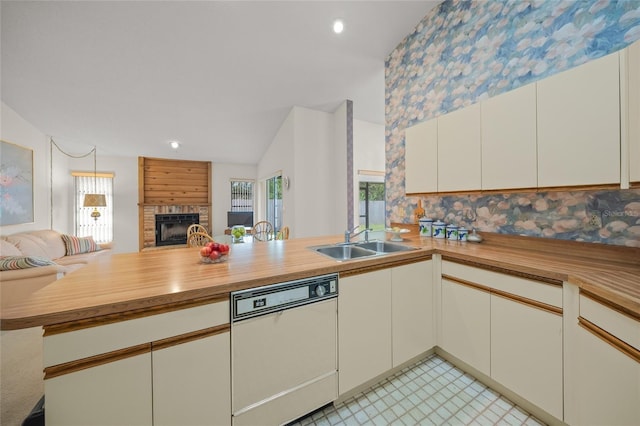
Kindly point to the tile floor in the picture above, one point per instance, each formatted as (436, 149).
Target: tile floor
(430, 392)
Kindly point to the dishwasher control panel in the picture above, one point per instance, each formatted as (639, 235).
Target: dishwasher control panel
(277, 297)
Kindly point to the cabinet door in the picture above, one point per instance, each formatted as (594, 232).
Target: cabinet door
(364, 328)
(421, 157)
(412, 311)
(526, 352)
(509, 157)
(115, 393)
(608, 383)
(633, 111)
(459, 150)
(579, 125)
(192, 384)
(466, 324)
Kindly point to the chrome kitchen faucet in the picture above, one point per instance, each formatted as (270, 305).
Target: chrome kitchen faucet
(350, 234)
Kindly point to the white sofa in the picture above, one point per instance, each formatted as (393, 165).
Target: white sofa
(43, 244)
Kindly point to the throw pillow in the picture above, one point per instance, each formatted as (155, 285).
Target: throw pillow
(10, 263)
(78, 245)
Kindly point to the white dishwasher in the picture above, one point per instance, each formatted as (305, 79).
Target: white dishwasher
(283, 350)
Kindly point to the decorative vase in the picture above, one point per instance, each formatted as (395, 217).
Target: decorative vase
(237, 233)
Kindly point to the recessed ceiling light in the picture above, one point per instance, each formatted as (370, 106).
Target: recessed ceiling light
(338, 26)
(175, 144)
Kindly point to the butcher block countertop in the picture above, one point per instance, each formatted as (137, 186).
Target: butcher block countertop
(165, 279)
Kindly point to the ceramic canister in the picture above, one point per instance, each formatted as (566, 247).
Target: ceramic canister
(452, 232)
(462, 234)
(426, 227)
(438, 229)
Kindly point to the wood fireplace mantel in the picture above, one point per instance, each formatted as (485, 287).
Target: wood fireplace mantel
(171, 186)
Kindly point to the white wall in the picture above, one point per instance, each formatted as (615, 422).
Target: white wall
(15, 129)
(320, 179)
(308, 151)
(221, 188)
(280, 156)
(125, 201)
(368, 154)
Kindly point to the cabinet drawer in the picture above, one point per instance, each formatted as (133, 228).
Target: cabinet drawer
(615, 323)
(535, 290)
(64, 347)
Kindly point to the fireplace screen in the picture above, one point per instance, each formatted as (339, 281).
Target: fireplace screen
(171, 229)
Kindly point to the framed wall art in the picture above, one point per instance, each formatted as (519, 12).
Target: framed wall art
(16, 184)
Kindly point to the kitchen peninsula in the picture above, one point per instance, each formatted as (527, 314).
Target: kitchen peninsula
(118, 311)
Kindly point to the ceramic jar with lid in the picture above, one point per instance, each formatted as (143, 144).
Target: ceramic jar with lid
(426, 227)
(452, 232)
(439, 229)
(462, 233)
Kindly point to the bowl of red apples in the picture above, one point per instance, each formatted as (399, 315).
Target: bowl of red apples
(214, 252)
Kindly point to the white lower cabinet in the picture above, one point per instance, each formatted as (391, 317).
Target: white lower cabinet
(114, 393)
(364, 328)
(608, 384)
(412, 321)
(466, 327)
(191, 382)
(526, 352)
(385, 318)
(167, 369)
(607, 366)
(507, 327)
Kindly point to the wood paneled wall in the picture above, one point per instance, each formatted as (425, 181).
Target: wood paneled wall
(175, 185)
(174, 182)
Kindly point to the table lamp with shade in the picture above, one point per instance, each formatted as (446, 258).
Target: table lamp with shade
(94, 200)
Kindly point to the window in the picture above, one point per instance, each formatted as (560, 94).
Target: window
(274, 201)
(372, 214)
(102, 228)
(241, 195)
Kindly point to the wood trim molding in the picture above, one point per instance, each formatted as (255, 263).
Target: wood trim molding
(594, 187)
(514, 297)
(50, 330)
(467, 283)
(620, 345)
(189, 337)
(634, 185)
(551, 281)
(598, 299)
(95, 361)
(372, 268)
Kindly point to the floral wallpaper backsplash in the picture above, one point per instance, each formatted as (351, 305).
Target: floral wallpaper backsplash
(466, 51)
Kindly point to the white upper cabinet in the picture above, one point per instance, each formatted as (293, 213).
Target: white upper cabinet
(459, 150)
(421, 157)
(631, 119)
(509, 157)
(579, 125)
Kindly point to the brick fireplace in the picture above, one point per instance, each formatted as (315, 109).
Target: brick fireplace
(170, 189)
(150, 225)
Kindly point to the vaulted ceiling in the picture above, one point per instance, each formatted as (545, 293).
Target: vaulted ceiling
(217, 76)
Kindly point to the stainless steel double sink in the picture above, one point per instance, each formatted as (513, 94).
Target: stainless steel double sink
(357, 250)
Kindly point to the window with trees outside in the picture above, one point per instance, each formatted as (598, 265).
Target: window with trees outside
(89, 183)
(274, 202)
(372, 214)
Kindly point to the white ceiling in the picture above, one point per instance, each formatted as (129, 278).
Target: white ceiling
(218, 76)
